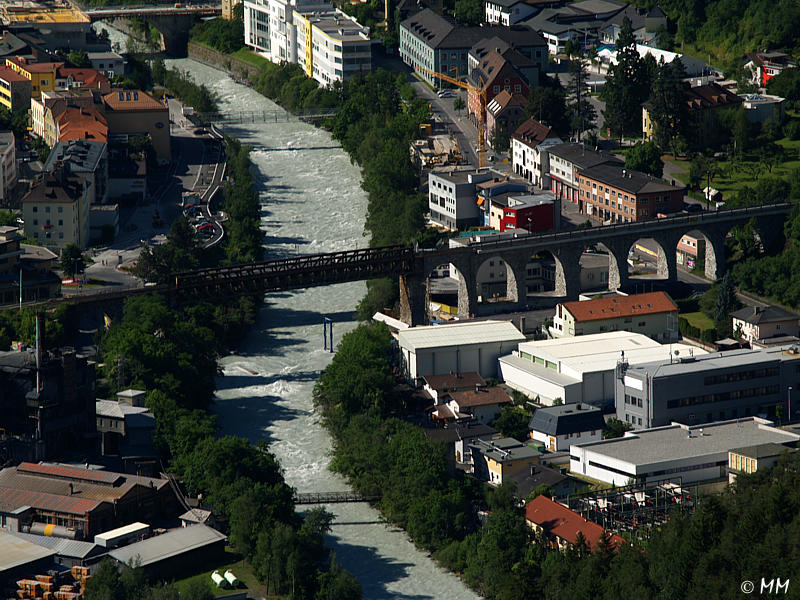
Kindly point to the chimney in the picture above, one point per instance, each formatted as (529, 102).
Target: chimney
(71, 489)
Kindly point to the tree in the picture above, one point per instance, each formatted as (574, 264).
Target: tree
(581, 112)
(197, 589)
(615, 428)
(71, 260)
(512, 422)
(79, 59)
(547, 104)
(500, 138)
(469, 12)
(626, 86)
(458, 104)
(541, 490)
(668, 109)
(337, 584)
(645, 157)
(725, 304)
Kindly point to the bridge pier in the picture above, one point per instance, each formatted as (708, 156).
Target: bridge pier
(667, 262)
(414, 300)
(568, 270)
(715, 253)
(516, 272)
(618, 276)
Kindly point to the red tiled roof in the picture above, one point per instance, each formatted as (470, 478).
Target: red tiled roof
(454, 381)
(558, 520)
(8, 74)
(480, 397)
(63, 472)
(13, 498)
(91, 78)
(82, 124)
(620, 306)
(132, 100)
(710, 95)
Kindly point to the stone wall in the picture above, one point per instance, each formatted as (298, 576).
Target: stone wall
(239, 70)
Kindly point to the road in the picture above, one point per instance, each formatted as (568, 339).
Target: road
(194, 168)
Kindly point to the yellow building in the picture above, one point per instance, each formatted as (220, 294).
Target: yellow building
(495, 461)
(41, 75)
(750, 459)
(56, 211)
(15, 90)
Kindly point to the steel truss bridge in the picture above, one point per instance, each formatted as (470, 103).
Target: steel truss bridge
(266, 116)
(166, 10)
(333, 498)
(308, 270)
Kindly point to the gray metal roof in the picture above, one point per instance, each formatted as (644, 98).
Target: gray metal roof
(628, 180)
(716, 360)
(167, 545)
(763, 450)
(459, 334)
(567, 418)
(532, 368)
(763, 314)
(15, 552)
(504, 449)
(62, 546)
(678, 442)
(82, 156)
(580, 155)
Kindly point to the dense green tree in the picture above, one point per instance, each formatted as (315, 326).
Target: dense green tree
(581, 112)
(645, 157)
(337, 584)
(79, 59)
(224, 35)
(668, 109)
(626, 86)
(615, 428)
(513, 422)
(469, 12)
(725, 304)
(547, 104)
(458, 104)
(71, 260)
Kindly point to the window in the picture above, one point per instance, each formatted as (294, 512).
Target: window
(36, 221)
(517, 88)
(60, 209)
(47, 209)
(496, 89)
(35, 209)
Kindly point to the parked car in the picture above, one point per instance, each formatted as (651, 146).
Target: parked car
(445, 93)
(206, 227)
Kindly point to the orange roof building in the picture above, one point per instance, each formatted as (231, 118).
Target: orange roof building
(83, 78)
(77, 123)
(134, 112)
(563, 527)
(653, 314)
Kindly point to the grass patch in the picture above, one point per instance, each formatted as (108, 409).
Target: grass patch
(699, 320)
(236, 563)
(249, 57)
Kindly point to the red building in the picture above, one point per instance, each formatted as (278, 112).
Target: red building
(765, 65)
(534, 212)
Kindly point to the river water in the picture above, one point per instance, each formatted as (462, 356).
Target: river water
(311, 202)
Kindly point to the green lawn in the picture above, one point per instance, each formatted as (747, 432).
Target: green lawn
(251, 58)
(699, 320)
(240, 568)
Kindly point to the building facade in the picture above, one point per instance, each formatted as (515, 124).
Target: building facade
(653, 314)
(15, 90)
(612, 194)
(557, 427)
(712, 387)
(332, 46)
(452, 198)
(756, 323)
(56, 210)
(8, 163)
(42, 75)
(134, 112)
(566, 161)
(528, 144)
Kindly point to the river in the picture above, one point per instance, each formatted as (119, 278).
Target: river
(312, 202)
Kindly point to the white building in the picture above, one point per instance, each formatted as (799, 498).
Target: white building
(326, 42)
(458, 348)
(332, 46)
(694, 454)
(508, 12)
(581, 369)
(528, 152)
(452, 198)
(109, 64)
(557, 427)
(8, 163)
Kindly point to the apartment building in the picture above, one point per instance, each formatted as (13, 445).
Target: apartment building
(134, 112)
(529, 158)
(56, 210)
(42, 75)
(565, 161)
(332, 46)
(612, 194)
(329, 44)
(15, 90)
(653, 314)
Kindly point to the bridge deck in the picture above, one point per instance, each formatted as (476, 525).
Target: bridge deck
(332, 498)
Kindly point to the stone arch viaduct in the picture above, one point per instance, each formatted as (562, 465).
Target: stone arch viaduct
(567, 247)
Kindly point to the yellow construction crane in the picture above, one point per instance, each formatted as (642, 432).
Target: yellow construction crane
(481, 108)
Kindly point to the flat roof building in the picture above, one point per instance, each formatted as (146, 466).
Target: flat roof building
(495, 461)
(693, 453)
(750, 459)
(581, 368)
(457, 348)
(712, 387)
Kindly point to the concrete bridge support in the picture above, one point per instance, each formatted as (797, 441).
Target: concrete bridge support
(568, 270)
(715, 253)
(618, 276)
(516, 273)
(667, 262)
